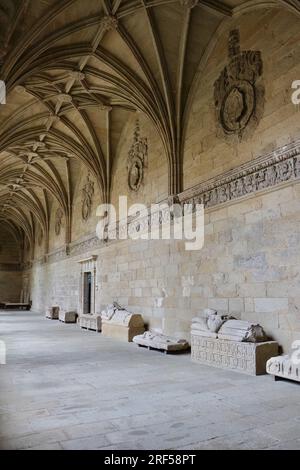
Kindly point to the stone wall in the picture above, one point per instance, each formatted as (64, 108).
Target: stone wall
(276, 34)
(10, 272)
(249, 266)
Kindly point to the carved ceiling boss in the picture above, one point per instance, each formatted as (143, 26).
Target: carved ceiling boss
(239, 92)
(137, 157)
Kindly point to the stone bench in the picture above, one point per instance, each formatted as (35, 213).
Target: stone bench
(67, 316)
(123, 325)
(249, 358)
(283, 367)
(52, 313)
(90, 321)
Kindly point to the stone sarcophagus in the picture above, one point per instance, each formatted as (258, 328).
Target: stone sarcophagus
(90, 321)
(249, 358)
(223, 341)
(120, 324)
(67, 316)
(53, 312)
(285, 367)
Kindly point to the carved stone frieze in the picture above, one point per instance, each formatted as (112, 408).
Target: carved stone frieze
(278, 167)
(239, 92)
(84, 246)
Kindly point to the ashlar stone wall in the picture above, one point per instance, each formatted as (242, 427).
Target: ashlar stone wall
(250, 263)
(10, 272)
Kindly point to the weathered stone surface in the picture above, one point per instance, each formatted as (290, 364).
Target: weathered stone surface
(68, 316)
(249, 358)
(90, 321)
(120, 324)
(284, 367)
(52, 313)
(154, 340)
(241, 330)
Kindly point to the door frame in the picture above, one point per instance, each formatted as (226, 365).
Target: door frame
(88, 265)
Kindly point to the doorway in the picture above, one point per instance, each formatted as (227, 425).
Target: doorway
(87, 293)
(87, 285)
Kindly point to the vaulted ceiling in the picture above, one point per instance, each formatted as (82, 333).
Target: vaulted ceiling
(75, 70)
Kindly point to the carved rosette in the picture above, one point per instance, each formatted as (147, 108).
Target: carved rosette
(109, 23)
(87, 198)
(58, 220)
(239, 92)
(137, 159)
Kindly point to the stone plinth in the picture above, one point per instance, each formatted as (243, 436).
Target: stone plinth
(52, 312)
(90, 321)
(123, 326)
(249, 358)
(67, 317)
(283, 367)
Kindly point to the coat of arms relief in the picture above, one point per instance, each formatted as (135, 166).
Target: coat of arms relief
(239, 92)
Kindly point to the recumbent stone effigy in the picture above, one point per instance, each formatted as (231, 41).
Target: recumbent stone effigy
(222, 341)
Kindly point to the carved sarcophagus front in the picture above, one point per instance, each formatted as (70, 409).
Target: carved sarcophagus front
(249, 358)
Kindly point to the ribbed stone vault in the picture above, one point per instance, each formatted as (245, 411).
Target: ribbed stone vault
(75, 71)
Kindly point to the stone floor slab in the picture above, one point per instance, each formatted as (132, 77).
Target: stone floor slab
(65, 388)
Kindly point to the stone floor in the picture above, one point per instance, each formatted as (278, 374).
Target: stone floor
(66, 388)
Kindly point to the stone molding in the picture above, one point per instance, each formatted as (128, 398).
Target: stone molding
(268, 171)
(264, 173)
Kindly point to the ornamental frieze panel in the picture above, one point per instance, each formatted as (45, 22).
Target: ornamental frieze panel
(239, 93)
(279, 167)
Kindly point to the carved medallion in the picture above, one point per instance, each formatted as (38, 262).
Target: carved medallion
(58, 220)
(137, 157)
(239, 92)
(87, 198)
